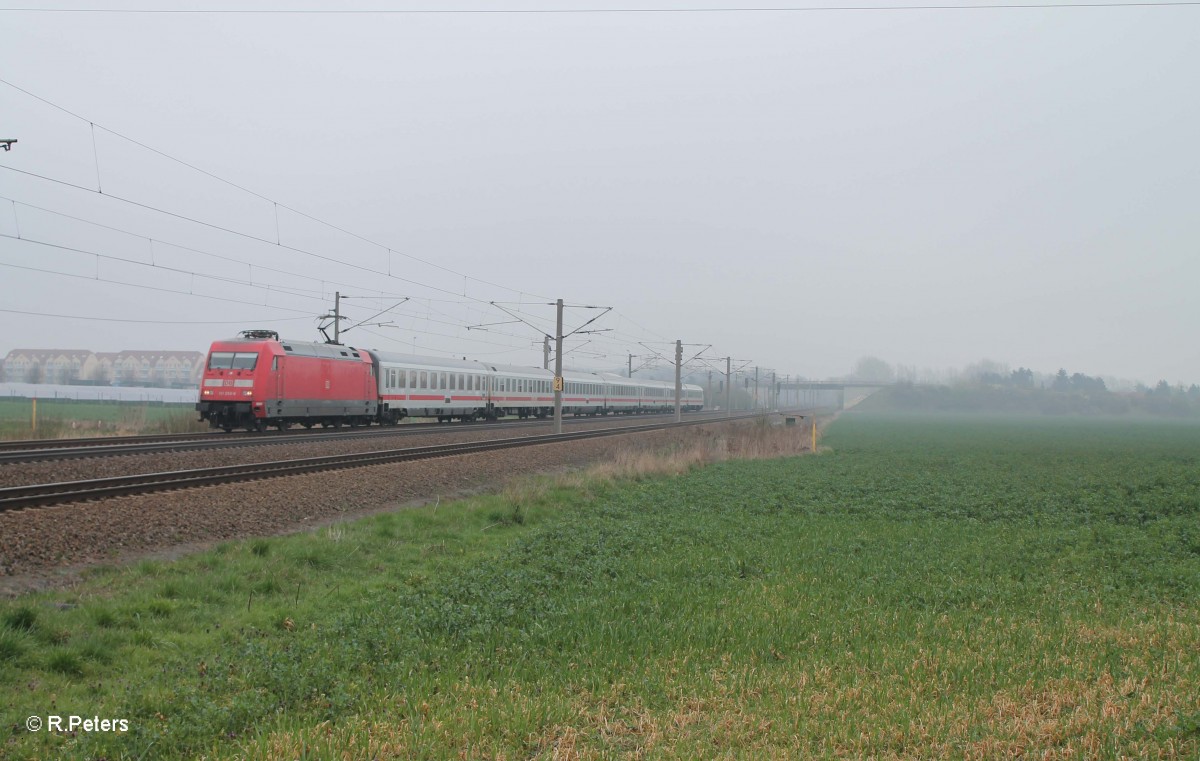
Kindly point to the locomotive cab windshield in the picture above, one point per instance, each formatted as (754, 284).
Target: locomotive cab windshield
(229, 360)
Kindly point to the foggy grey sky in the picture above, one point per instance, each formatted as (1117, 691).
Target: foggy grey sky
(800, 189)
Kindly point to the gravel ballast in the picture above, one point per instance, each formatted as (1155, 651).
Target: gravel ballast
(52, 471)
(49, 546)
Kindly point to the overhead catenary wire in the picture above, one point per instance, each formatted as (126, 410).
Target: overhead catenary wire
(292, 291)
(603, 11)
(217, 278)
(244, 189)
(94, 318)
(458, 298)
(192, 249)
(231, 231)
(275, 207)
(151, 287)
(307, 315)
(300, 293)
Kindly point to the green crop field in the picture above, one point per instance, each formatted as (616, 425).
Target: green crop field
(923, 588)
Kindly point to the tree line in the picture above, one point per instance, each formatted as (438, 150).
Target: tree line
(989, 387)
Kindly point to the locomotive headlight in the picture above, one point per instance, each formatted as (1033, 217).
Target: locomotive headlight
(207, 392)
(248, 393)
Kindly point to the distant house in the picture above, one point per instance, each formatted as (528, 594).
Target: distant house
(47, 365)
(163, 369)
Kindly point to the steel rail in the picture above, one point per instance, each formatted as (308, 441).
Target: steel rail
(169, 438)
(43, 495)
(71, 449)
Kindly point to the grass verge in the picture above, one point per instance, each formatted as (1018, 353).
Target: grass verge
(923, 589)
(66, 418)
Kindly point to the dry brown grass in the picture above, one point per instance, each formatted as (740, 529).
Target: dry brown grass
(758, 440)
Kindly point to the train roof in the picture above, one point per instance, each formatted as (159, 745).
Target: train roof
(299, 348)
(420, 360)
(475, 365)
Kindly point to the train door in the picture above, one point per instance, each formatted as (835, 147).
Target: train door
(277, 365)
(325, 391)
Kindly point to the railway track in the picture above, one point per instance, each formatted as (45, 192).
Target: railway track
(42, 450)
(44, 495)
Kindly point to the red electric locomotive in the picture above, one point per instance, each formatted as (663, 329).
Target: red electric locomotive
(257, 380)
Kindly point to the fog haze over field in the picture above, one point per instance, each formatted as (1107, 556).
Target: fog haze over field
(799, 189)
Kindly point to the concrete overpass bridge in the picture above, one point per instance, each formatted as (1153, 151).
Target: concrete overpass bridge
(826, 394)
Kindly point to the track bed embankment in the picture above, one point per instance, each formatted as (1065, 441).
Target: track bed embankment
(46, 546)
